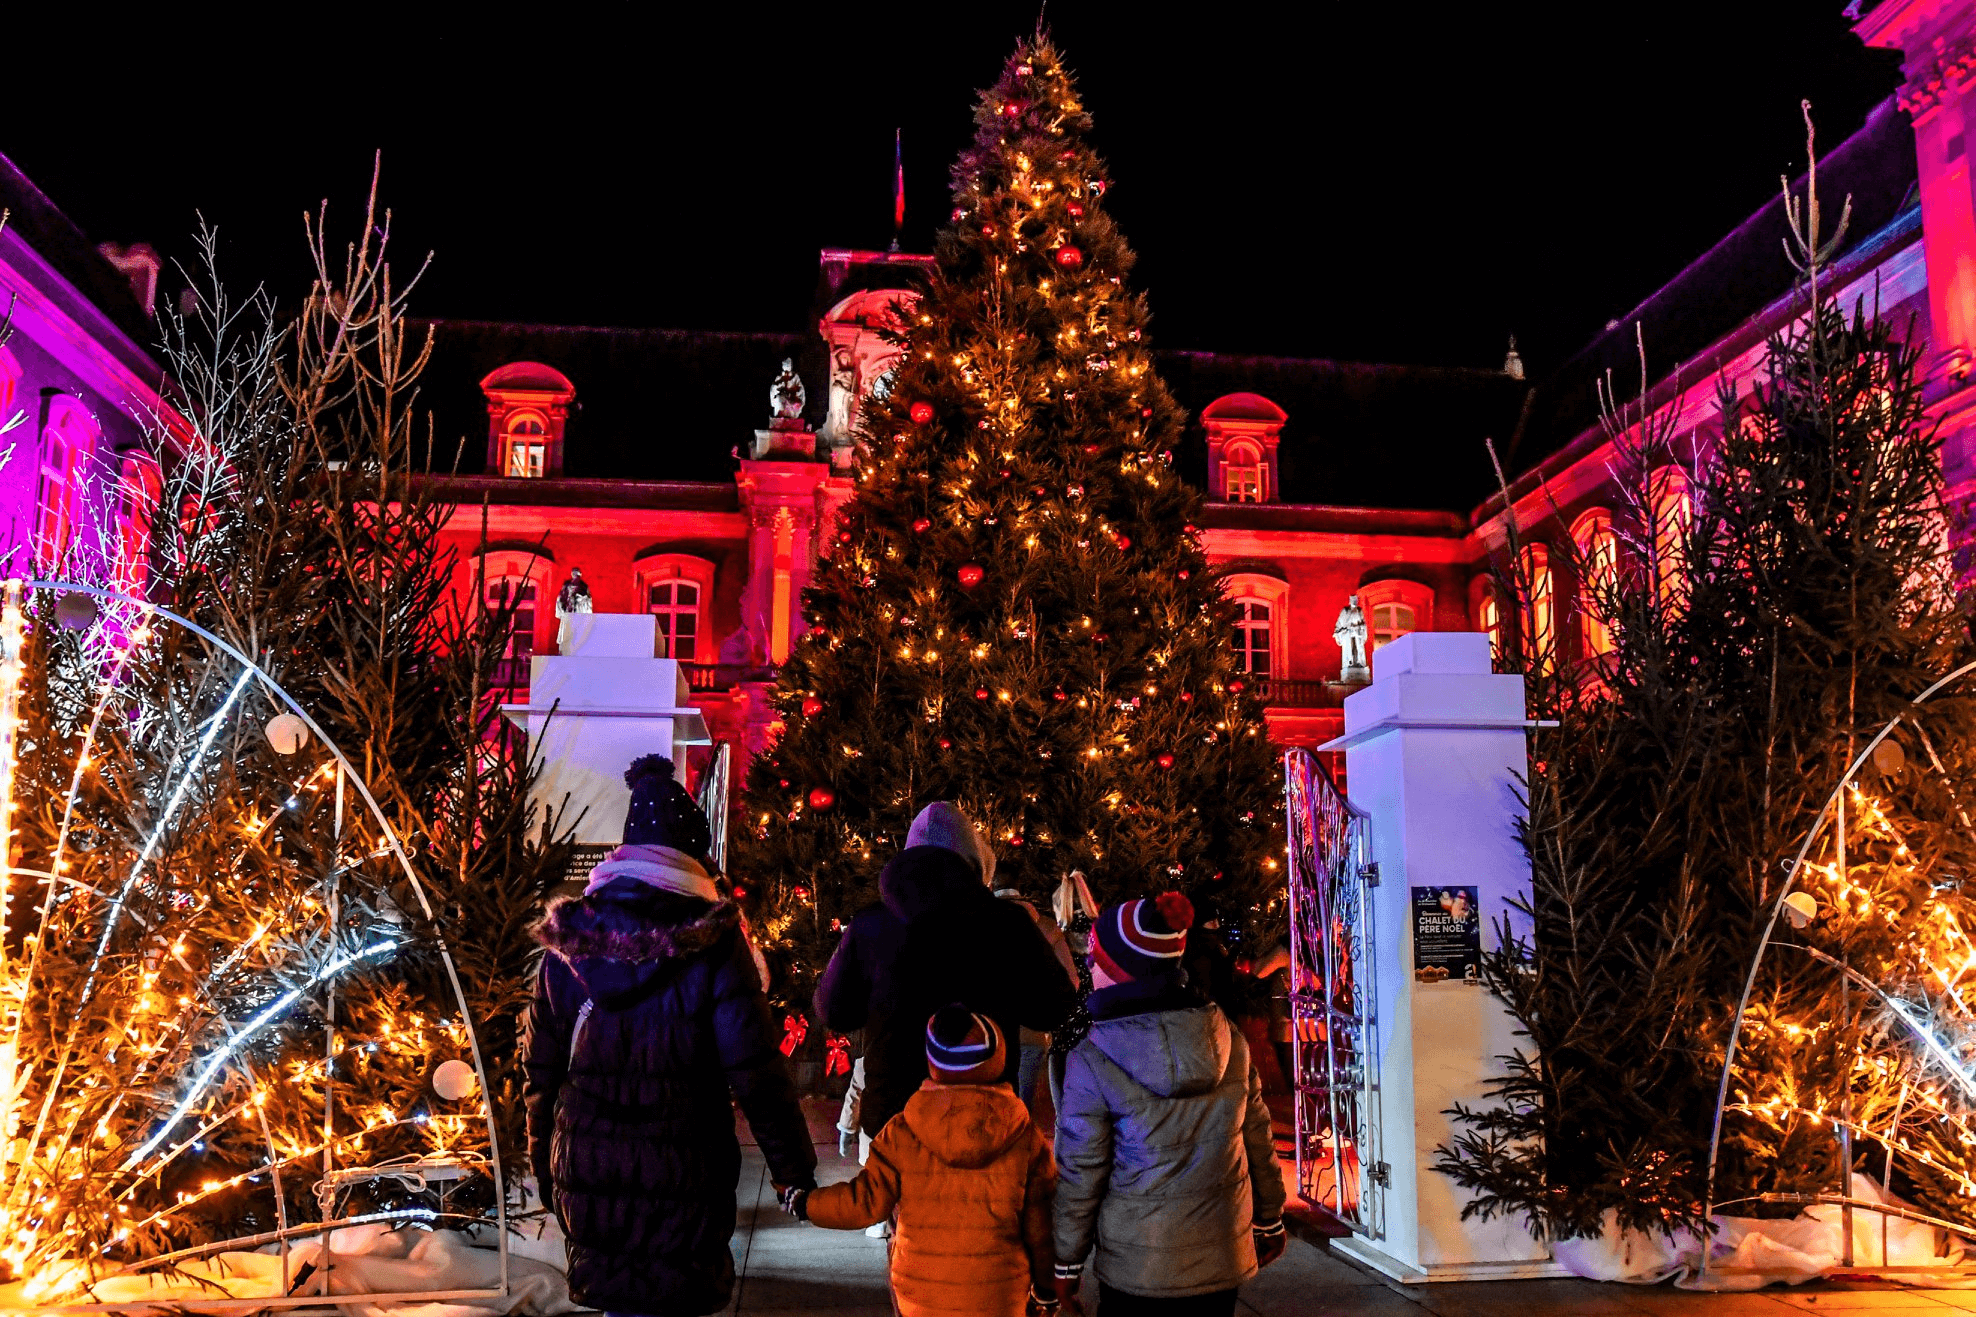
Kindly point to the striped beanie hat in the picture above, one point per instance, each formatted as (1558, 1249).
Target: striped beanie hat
(1140, 939)
(964, 1048)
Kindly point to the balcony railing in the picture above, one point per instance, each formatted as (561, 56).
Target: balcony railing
(724, 676)
(1286, 694)
(511, 673)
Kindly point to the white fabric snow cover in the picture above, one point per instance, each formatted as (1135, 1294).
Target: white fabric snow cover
(370, 1259)
(1749, 1254)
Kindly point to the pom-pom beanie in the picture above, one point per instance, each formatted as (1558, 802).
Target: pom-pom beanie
(1144, 938)
(964, 1048)
(661, 812)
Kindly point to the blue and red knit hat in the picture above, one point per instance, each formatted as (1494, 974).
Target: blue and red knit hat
(1139, 939)
(964, 1048)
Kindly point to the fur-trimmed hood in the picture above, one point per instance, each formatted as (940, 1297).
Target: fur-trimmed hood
(619, 936)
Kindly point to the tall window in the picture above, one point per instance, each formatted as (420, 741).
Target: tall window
(528, 445)
(1389, 622)
(518, 593)
(64, 446)
(139, 490)
(676, 605)
(1242, 474)
(1539, 611)
(1252, 636)
(1598, 553)
(1674, 514)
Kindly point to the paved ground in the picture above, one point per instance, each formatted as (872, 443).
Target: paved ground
(787, 1268)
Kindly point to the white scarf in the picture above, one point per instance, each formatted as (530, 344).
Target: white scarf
(656, 866)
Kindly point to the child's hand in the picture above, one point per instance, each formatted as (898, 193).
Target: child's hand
(795, 1202)
(1066, 1287)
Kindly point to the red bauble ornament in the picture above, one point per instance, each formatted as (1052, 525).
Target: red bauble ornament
(800, 893)
(959, 214)
(1069, 257)
(812, 706)
(819, 631)
(1076, 210)
(740, 893)
(1184, 573)
(1122, 541)
(1164, 761)
(1061, 696)
(987, 230)
(1186, 697)
(1145, 411)
(921, 525)
(970, 576)
(785, 781)
(1236, 686)
(945, 744)
(843, 537)
(980, 692)
(922, 412)
(1090, 450)
(822, 798)
(1016, 840)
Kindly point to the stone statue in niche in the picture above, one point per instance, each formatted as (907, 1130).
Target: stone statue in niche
(572, 599)
(786, 398)
(1350, 633)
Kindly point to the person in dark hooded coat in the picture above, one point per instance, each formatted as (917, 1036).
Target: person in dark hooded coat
(938, 937)
(648, 1013)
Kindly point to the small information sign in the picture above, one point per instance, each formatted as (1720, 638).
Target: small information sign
(1447, 934)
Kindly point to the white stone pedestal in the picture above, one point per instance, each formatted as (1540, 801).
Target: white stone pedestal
(1433, 749)
(594, 709)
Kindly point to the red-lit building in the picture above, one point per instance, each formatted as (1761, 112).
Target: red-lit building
(644, 458)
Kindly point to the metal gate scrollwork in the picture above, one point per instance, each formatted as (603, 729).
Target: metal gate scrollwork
(1332, 875)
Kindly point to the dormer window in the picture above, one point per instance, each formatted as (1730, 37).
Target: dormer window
(528, 446)
(1243, 431)
(1245, 474)
(528, 405)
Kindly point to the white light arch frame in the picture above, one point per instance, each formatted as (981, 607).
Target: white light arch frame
(350, 775)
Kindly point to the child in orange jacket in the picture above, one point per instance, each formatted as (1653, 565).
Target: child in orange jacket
(970, 1177)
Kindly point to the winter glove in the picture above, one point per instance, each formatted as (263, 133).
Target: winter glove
(795, 1202)
(1270, 1241)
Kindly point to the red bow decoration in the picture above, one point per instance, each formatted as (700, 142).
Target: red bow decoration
(795, 1028)
(837, 1056)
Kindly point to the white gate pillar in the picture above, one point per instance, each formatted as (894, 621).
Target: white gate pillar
(1434, 748)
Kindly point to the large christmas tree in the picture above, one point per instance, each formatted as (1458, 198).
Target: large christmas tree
(1016, 613)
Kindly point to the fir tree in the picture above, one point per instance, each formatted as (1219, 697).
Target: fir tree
(1758, 651)
(1016, 613)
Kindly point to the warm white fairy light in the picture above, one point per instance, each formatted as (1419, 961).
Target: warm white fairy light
(13, 633)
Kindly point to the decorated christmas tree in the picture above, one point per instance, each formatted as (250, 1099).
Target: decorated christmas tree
(1695, 837)
(1016, 614)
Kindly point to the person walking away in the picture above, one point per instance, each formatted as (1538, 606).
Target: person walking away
(969, 1176)
(1035, 1043)
(648, 1013)
(938, 936)
(1164, 1160)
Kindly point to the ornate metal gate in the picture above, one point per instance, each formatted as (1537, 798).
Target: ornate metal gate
(1331, 997)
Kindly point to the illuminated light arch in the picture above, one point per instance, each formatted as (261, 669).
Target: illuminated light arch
(236, 1035)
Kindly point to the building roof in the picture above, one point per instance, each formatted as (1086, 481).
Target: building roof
(651, 404)
(1732, 281)
(1349, 424)
(39, 223)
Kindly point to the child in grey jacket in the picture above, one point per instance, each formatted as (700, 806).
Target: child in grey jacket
(1165, 1163)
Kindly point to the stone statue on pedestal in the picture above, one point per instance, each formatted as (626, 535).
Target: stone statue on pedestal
(786, 397)
(1350, 633)
(573, 598)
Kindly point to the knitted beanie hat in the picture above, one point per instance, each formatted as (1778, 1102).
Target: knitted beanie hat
(1138, 939)
(964, 1048)
(942, 824)
(661, 812)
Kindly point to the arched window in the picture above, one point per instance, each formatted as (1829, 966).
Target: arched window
(1261, 621)
(1245, 474)
(675, 588)
(66, 442)
(1489, 621)
(1393, 608)
(518, 593)
(10, 389)
(1539, 609)
(1673, 510)
(1598, 555)
(527, 445)
(140, 488)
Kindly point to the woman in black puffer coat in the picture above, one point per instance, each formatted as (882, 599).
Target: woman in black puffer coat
(648, 1012)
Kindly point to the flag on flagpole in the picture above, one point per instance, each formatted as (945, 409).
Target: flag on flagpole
(898, 187)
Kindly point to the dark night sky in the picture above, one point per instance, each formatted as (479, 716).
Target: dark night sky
(1364, 181)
